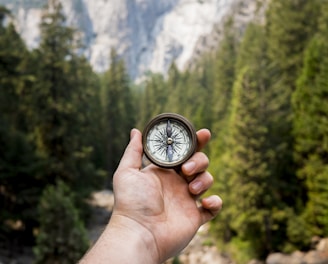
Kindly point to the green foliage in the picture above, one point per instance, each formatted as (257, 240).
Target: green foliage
(254, 162)
(49, 112)
(299, 233)
(20, 169)
(290, 24)
(223, 67)
(241, 250)
(263, 95)
(224, 76)
(176, 260)
(62, 104)
(20, 166)
(245, 163)
(118, 111)
(153, 98)
(248, 163)
(310, 129)
(62, 238)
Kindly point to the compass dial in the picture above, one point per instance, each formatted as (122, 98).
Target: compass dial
(169, 140)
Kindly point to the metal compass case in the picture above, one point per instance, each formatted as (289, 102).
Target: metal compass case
(169, 140)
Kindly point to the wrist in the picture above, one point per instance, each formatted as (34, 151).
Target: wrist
(135, 238)
(123, 240)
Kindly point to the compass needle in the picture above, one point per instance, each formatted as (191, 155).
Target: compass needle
(170, 152)
(168, 128)
(169, 140)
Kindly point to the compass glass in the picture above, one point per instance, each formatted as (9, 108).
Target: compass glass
(169, 141)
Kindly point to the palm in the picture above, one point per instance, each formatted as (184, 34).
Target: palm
(162, 203)
(160, 200)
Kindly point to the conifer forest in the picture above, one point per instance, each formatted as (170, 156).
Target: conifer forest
(263, 93)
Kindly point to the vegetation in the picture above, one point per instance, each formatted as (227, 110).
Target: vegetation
(263, 95)
(62, 237)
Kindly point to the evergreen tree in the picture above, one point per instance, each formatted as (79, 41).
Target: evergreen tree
(20, 166)
(248, 166)
(289, 26)
(53, 93)
(176, 97)
(256, 212)
(90, 111)
(20, 169)
(153, 100)
(310, 127)
(223, 65)
(253, 197)
(62, 238)
(119, 115)
(61, 94)
(52, 105)
(86, 128)
(198, 92)
(189, 93)
(224, 75)
(61, 116)
(13, 75)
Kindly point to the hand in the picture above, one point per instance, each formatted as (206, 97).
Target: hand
(156, 210)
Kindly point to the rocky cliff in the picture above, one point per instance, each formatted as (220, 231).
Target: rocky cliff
(148, 34)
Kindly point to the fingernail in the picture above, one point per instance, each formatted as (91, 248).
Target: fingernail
(197, 186)
(189, 166)
(132, 133)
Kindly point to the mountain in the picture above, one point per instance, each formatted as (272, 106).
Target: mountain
(148, 34)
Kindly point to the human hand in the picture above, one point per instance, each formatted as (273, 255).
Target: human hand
(156, 213)
(160, 200)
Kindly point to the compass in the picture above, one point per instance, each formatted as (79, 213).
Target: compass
(169, 140)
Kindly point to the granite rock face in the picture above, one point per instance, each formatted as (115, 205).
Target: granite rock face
(148, 34)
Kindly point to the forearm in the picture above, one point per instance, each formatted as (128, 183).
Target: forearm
(123, 242)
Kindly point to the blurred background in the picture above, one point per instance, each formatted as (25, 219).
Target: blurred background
(77, 75)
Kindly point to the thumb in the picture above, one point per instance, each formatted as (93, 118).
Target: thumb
(132, 157)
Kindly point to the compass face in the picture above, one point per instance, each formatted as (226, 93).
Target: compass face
(169, 140)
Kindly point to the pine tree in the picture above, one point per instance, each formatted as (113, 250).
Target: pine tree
(61, 103)
(310, 127)
(13, 75)
(20, 166)
(176, 97)
(86, 127)
(153, 99)
(224, 76)
(198, 92)
(248, 165)
(62, 238)
(52, 103)
(289, 26)
(119, 116)
(223, 65)
(251, 190)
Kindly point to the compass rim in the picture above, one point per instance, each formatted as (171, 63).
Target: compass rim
(179, 119)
